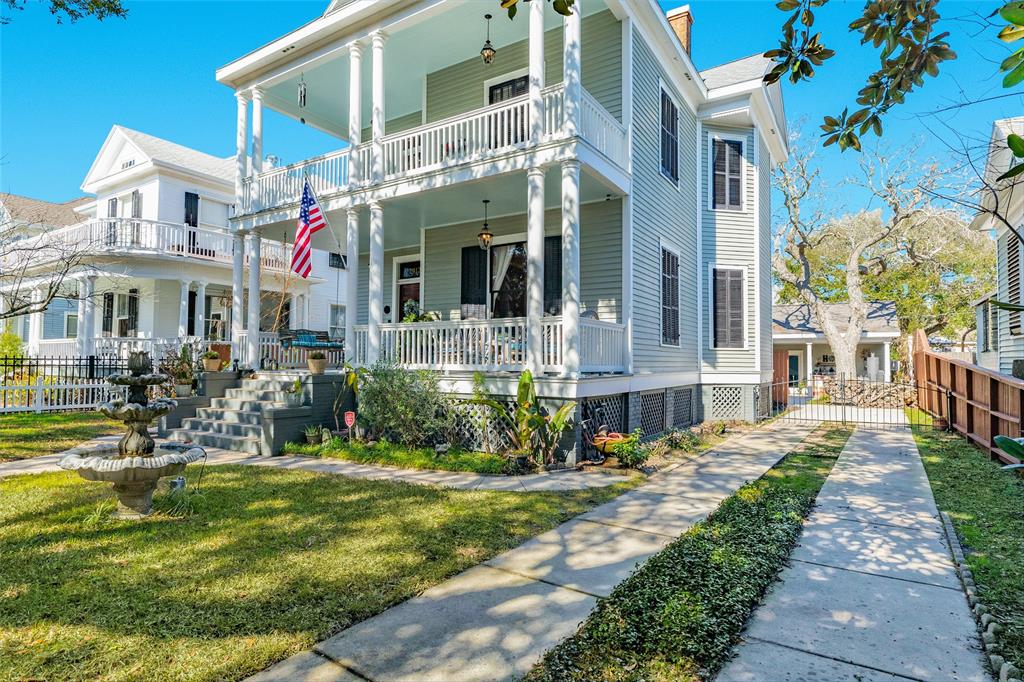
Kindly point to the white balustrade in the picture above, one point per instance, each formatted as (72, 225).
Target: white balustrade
(157, 348)
(57, 348)
(601, 130)
(491, 345)
(273, 355)
(327, 174)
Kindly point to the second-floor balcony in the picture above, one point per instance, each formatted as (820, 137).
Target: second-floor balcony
(113, 237)
(486, 133)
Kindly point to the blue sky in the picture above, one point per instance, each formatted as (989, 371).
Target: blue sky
(63, 86)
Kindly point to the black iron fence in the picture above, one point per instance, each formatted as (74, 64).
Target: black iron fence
(44, 384)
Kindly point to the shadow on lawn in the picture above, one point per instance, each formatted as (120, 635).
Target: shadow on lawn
(266, 552)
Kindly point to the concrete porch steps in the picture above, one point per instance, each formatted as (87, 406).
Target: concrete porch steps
(227, 428)
(249, 444)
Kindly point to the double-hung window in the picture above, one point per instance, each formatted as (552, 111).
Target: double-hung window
(727, 290)
(727, 181)
(336, 260)
(669, 297)
(669, 138)
(1013, 284)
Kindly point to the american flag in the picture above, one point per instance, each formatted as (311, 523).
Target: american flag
(311, 221)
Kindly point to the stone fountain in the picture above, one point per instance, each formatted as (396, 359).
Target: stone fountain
(136, 465)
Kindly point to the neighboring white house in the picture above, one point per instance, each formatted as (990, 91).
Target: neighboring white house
(156, 256)
(1000, 332)
(625, 254)
(805, 355)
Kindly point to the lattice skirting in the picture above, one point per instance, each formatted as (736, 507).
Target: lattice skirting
(727, 402)
(652, 412)
(682, 407)
(478, 427)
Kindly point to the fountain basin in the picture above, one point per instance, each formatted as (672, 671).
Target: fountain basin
(134, 478)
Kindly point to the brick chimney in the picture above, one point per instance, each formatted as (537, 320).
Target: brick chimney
(681, 19)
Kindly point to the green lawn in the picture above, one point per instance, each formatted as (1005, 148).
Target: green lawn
(987, 509)
(401, 456)
(679, 616)
(25, 435)
(269, 562)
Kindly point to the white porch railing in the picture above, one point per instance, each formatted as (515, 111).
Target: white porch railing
(464, 138)
(272, 355)
(58, 348)
(157, 348)
(496, 345)
(137, 236)
(44, 394)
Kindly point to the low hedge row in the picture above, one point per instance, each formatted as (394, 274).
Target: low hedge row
(680, 614)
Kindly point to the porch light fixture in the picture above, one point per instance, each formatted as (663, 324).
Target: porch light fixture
(302, 91)
(485, 236)
(487, 52)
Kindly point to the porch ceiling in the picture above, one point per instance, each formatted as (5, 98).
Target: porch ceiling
(461, 203)
(420, 46)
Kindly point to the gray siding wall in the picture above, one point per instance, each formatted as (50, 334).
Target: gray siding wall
(730, 238)
(460, 87)
(764, 256)
(53, 317)
(600, 258)
(364, 282)
(661, 211)
(395, 125)
(1010, 347)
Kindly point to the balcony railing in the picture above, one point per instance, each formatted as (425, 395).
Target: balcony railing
(272, 355)
(464, 138)
(496, 345)
(137, 236)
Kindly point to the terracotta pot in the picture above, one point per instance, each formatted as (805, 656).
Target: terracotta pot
(316, 366)
(211, 365)
(604, 443)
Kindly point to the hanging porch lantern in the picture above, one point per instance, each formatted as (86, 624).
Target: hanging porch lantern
(485, 237)
(487, 52)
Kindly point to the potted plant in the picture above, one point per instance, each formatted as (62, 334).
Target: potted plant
(179, 369)
(293, 394)
(317, 362)
(211, 361)
(314, 434)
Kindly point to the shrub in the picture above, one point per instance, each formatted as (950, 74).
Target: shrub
(631, 452)
(683, 439)
(316, 355)
(404, 406)
(211, 355)
(10, 345)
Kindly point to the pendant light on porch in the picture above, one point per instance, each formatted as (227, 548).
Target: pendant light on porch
(484, 237)
(487, 52)
(302, 91)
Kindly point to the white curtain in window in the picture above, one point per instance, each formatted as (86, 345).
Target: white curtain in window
(502, 256)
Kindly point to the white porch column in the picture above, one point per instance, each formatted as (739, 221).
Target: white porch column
(355, 110)
(90, 315)
(257, 130)
(536, 63)
(241, 140)
(810, 363)
(183, 309)
(886, 362)
(377, 113)
(305, 311)
(252, 327)
(571, 31)
(81, 333)
(294, 312)
(237, 291)
(351, 283)
(376, 287)
(200, 328)
(535, 267)
(570, 268)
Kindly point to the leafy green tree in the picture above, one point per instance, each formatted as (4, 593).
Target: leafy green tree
(72, 10)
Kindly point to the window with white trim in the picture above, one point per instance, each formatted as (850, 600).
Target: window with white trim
(728, 300)
(336, 260)
(727, 174)
(337, 326)
(70, 325)
(669, 297)
(669, 138)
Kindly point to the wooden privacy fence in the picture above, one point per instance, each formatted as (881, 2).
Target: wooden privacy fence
(977, 402)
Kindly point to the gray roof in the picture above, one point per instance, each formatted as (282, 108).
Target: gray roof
(170, 152)
(737, 71)
(27, 210)
(797, 318)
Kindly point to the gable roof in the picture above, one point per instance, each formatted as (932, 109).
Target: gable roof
(737, 71)
(797, 318)
(27, 210)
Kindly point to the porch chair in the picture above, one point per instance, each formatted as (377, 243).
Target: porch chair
(307, 338)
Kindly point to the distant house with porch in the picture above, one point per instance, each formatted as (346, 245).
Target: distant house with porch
(802, 353)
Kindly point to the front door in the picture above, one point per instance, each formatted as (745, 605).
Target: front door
(794, 370)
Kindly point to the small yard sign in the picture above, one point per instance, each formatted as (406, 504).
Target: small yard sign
(350, 418)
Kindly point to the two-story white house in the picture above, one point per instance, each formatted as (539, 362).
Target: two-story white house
(154, 257)
(571, 196)
(1000, 332)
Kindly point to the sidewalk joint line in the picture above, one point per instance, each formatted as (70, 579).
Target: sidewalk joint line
(876, 575)
(600, 522)
(338, 663)
(912, 529)
(540, 580)
(834, 658)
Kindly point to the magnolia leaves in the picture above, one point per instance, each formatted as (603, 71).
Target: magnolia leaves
(563, 7)
(1016, 144)
(1013, 13)
(902, 33)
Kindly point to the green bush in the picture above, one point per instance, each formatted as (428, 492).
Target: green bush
(683, 439)
(680, 614)
(404, 406)
(631, 452)
(10, 345)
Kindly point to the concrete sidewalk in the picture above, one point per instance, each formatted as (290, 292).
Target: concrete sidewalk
(871, 593)
(494, 621)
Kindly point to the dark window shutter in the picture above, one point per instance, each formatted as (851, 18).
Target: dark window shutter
(669, 137)
(111, 208)
(669, 298)
(190, 329)
(728, 314)
(191, 209)
(474, 282)
(108, 313)
(136, 204)
(133, 311)
(553, 275)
